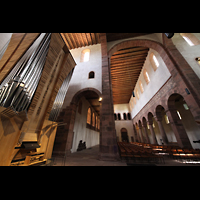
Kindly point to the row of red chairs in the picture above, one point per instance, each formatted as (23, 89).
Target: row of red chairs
(174, 152)
(134, 152)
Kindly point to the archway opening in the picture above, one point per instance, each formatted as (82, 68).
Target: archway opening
(166, 134)
(184, 121)
(75, 117)
(87, 122)
(124, 135)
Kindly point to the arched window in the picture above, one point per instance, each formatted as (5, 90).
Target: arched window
(191, 39)
(115, 116)
(89, 116)
(96, 122)
(134, 99)
(85, 55)
(137, 93)
(146, 76)
(124, 114)
(129, 116)
(119, 116)
(141, 86)
(93, 120)
(154, 61)
(91, 75)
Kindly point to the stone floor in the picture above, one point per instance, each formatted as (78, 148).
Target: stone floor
(89, 157)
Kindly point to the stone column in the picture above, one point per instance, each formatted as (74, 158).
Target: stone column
(152, 132)
(146, 133)
(108, 143)
(178, 129)
(141, 135)
(162, 130)
(135, 134)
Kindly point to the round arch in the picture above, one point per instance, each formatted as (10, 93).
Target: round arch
(145, 43)
(124, 135)
(65, 135)
(82, 93)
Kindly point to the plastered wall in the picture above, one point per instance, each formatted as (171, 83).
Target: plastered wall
(80, 78)
(119, 124)
(187, 51)
(87, 135)
(157, 80)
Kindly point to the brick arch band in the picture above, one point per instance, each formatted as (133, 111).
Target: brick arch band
(145, 43)
(172, 58)
(82, 93)
(64, 136)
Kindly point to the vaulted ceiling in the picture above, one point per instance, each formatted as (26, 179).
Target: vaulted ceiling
(126, 65)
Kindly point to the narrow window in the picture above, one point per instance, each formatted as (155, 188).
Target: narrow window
(141, 86)
(91, 75)
(166, 119)
(134, 99)
(85, 55)
(179, 114)
(155, 60)
(146, 76)
(191, 39)
(124, 114)
(93, 120)
(89, 116)
(119, 116)
(96, 122)
(137, 93)
(188, 41)
(115, 116)
(185, 106)
(129, 116)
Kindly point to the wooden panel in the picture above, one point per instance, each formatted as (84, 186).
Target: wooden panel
(126, 65)
(76, 40)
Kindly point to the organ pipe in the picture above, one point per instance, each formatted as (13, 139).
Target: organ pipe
(57, 105)
(18, 88)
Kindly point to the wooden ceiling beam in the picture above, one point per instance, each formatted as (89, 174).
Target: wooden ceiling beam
(130, 50)
(89, 39)
(93, 38)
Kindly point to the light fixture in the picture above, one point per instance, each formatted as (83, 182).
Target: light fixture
(100, 99)
(198, 60)
(169, 35)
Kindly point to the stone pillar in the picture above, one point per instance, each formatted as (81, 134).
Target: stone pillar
(141, 135)
(135, 134)
(178, 129)
(108, 143)
(152, 132)
(146, 133)
(162, 131)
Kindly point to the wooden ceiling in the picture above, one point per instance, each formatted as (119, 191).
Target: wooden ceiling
(126, 65)
(119, 36)
(76, 40)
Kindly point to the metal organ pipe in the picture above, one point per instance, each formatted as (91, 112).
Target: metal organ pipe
(18, 88)
(57, 105)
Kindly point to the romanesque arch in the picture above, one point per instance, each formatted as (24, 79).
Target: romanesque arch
(64, 136)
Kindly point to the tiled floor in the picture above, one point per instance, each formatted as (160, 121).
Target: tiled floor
(89, 157)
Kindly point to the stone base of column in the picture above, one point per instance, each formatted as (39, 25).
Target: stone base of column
(108, 153)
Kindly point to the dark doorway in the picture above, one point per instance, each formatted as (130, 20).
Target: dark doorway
(124, 135)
